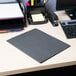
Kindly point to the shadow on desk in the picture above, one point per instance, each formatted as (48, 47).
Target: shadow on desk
(62, 71)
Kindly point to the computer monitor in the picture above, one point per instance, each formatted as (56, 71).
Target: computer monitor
(68, 5)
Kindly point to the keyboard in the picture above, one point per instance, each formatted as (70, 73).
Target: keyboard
(69, 28)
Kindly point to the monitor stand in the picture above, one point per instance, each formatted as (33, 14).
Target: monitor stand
(71, 13)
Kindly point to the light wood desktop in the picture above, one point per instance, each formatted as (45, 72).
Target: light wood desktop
(14, 61)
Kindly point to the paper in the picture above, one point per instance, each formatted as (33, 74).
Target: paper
(10, 11)
(6, 1)
(37, 17)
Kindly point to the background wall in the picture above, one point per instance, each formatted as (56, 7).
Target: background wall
(51, 5)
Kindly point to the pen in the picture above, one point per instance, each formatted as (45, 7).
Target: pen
(11, 30)
(32, 2)
(37, 2)
(27, 3)
(4, 31)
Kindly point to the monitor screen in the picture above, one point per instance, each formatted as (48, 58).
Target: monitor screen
(65, 4)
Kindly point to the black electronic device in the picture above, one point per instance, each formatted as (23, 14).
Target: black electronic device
(69, 27)
(53, 18)
(69, 6)
(50, 8)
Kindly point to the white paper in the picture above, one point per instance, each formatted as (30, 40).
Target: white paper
(10, 11)
(37, 17)
(5, 1)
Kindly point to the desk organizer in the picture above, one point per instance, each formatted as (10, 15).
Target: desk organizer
(11, 16)
(36, 12)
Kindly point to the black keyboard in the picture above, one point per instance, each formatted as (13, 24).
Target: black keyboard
(69, 27)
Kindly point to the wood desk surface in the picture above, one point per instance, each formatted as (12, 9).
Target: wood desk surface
(14, 61)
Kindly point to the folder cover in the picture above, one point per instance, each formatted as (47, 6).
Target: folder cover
(38, 45)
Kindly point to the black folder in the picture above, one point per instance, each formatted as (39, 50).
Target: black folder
(38, 45)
